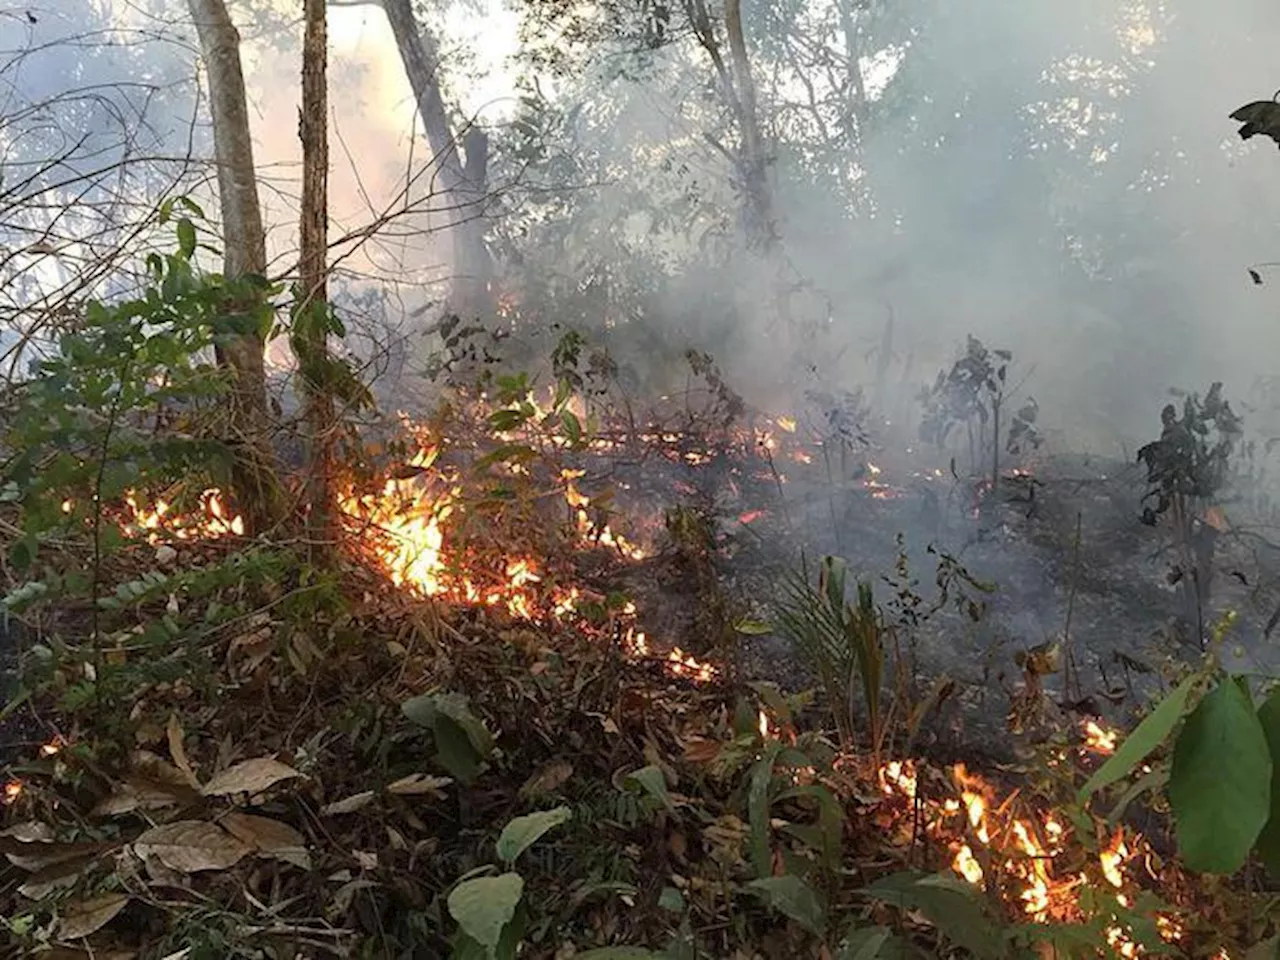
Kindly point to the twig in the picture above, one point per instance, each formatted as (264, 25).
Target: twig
(1069, 668)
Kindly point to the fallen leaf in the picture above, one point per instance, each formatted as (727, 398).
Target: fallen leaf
(550, 778)
(83, 917)
(190, 845)
(350, 805)
(37, 856)
(173, 730)
(251, 777)
(56, 876)
(268, 837)
(417, 783)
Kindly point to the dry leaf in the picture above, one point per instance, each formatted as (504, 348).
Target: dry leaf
(83, 917)
(269, 838)
(37, 856)
(29, 831)
(251, 776)
(549, 778)
(173, 730)
(350, 805)
(417, 783)
(190, 845)
(56, 876)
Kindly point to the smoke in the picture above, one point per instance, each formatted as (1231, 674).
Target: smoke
(1060, 180)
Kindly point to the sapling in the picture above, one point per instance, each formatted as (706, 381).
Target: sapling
(1187, 468)
(973, 393)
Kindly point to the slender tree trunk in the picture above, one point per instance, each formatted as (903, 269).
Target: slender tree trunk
(245, 245)
(755, 163)
(462, 178)
(737, 85)
(311, 327)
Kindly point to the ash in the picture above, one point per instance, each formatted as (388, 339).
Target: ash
(1065, 548)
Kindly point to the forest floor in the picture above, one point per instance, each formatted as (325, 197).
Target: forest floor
(573, 729)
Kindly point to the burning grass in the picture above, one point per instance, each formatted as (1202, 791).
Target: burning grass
(685, 787)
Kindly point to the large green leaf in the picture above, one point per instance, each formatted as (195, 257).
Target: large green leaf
(650, 780)
(485, 905)
(950, 905)
(462, 741)
(758, 805)
(794, 898)
(865, 943)
(1146, 736)
(1268, 844)
(522, 832)
(1220, 784)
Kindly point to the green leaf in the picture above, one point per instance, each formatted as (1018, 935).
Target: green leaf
(794, 898)
(1268, 844)
(522, 832)
(869, 943)
(1220, 784)
(617, 953)
(572, 427)
(753, 628)
(652, 781)
(485, 905)
(758, 808)
(949, 904)
(462, 742)
(186, 237)
(671, 900)
(1145, 738)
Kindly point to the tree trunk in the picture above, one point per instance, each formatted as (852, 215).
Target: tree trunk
(311, 313)
(244, 242)
(755, 166)
(462, 179)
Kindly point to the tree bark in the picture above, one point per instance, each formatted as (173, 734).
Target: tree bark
(311, 328)
(245, 254)
(462, 178)
(755, 164)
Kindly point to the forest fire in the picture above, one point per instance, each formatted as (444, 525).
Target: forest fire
(160, 521)
(1027, 857)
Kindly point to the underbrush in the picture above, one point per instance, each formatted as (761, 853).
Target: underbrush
(459, 737)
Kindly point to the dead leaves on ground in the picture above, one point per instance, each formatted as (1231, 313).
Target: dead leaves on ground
(199, 840)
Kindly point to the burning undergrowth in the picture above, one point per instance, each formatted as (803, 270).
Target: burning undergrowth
(501, 647)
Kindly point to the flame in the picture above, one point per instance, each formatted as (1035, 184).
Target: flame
(159, 522)
(1100, 739)
(12, 791)
(899, 776)
(786, 423)
(764, 725)
(1112, 859)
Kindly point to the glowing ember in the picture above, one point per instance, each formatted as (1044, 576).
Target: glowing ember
(1099, 739)
(1113, 858)
(899, 776)
(12, 791)
(764, 726)
(967, 865)
(786, 423)
(160, 522)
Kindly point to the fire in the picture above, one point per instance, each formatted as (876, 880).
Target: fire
(12, 791)
(898, 776)
(1012, 853)
(1112, 859)
(764, 725)
(1100, 739)
(160, 522)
